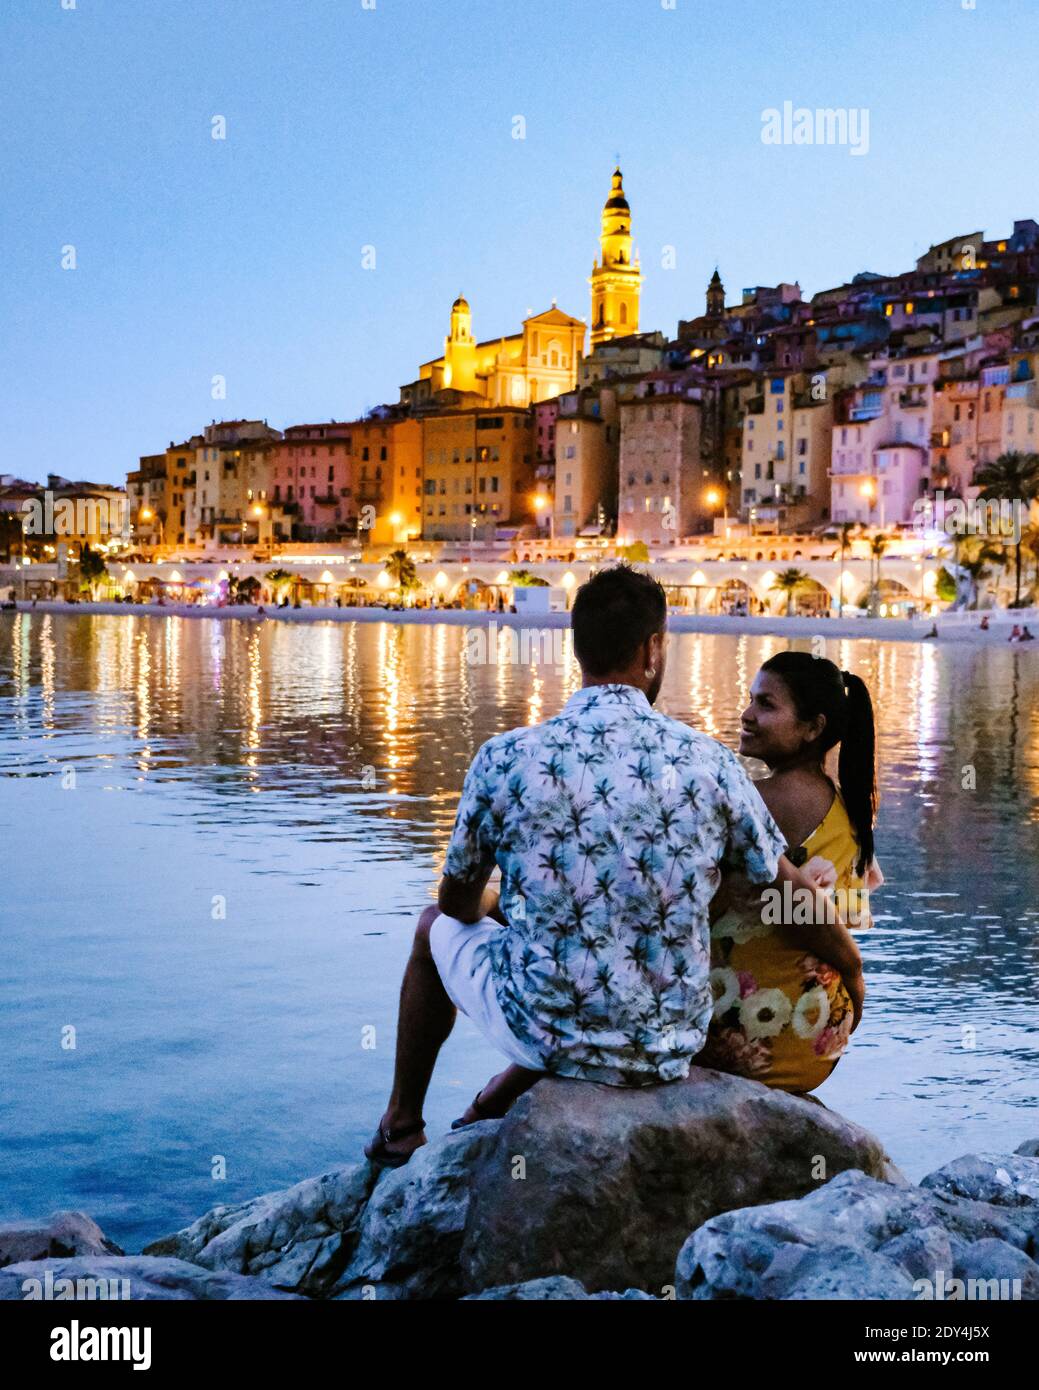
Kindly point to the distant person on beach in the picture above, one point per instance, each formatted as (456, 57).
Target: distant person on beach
(1015, 634)
(782, 1015)
(933, 632)
(612, 826)
(984, 624)
(1026, 634)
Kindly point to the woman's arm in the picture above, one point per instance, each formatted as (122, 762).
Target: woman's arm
(824, 934)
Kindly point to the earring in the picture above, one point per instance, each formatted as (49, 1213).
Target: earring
(650, 673)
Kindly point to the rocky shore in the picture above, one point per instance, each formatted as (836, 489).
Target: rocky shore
(710, 1188)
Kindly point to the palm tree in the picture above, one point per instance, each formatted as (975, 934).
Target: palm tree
(401, 569)
(788, 582)
(278, 580)
(92, 569)
(877, 547)
(976, 557)
(846, 528)
(1013, 478)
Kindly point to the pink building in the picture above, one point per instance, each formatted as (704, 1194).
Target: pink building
(312, 478)
(880, 455)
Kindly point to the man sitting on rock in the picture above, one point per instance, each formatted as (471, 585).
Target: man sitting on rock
(612, 825)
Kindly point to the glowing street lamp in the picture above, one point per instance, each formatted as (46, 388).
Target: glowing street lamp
(147, 514)
(715, 497)
(540, 503)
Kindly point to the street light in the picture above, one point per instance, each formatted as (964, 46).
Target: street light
(146, 514)
(540, 502)
(713, 496)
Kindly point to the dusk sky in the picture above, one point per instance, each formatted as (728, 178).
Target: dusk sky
(393, 128)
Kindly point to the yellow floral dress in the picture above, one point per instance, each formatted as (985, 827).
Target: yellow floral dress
(782, 1016)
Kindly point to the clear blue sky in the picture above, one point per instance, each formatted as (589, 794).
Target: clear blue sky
(349, 127)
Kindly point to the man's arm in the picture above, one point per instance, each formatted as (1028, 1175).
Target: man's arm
(468, 901)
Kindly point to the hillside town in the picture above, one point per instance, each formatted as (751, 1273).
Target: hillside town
(767, 429)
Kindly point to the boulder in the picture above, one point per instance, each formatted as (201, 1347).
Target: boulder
(411, 1231)
(1005, 1180)
(64, 1233)
(994, 1260)
(136, 1277)
(801, 1273)
(554, 1288)
(300, 1238)
(875, 1239)
(923, 1251)
(534, 1291)
(1030, 1148)
(604, 1185)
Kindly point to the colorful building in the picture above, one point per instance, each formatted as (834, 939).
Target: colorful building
(478, 473)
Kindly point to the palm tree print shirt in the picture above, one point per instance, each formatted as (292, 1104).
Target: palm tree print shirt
(611, 824)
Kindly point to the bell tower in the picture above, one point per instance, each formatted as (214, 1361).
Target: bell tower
(460, 348)
(616, 277)
(715, 296)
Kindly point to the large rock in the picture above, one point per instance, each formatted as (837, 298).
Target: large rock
(300, 1238)
(64, 1233)
(876, 1239)
(1015, 1275)
(355, 1233)
(1030, 1148)
(411, 1232)
(534, 1291)
(604, 1185)
(136, 1277)
(558, 1287)
(1005, 1180)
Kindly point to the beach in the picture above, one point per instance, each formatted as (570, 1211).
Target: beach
(961, 628)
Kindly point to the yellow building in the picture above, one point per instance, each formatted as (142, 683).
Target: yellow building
(616, 279)
(387, 476)
(536, 364)
(478, 473)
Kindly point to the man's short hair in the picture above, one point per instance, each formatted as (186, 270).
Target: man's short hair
(615, 612)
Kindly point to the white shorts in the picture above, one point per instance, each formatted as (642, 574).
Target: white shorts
(466, 975)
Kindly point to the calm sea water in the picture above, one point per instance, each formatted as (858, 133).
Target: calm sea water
(201, 880)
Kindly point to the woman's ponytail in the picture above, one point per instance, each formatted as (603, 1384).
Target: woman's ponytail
(857, 767)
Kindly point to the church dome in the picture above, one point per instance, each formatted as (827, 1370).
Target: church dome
(460, 303)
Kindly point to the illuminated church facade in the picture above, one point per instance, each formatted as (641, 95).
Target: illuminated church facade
(541, 361)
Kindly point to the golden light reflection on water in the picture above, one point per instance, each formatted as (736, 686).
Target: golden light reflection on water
(47, 673)
(144, 699)
(278, 700)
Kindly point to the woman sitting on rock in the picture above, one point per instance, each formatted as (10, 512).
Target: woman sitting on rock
(782, 1016)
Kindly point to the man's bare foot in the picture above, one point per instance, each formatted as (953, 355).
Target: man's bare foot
(395, 1141)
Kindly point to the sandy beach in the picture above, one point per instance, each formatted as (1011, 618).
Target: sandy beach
(961, 628)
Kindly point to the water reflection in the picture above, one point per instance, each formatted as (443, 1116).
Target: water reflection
(309, 774)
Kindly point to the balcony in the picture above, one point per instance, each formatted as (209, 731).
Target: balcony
(911, 400)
